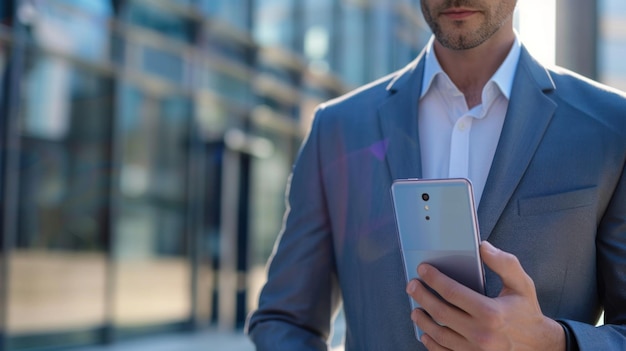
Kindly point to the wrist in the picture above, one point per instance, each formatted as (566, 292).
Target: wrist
(559, 336)
(570, 338)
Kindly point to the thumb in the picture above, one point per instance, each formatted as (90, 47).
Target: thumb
(508, 267)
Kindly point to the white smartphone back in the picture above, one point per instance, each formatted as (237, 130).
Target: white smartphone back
(437, 224)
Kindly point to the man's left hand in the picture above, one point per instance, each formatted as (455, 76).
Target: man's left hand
(467, 320)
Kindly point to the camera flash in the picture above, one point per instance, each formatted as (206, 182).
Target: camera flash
(426, 207)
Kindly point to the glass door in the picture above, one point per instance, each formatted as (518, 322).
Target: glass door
(57, 269)
(152, 279)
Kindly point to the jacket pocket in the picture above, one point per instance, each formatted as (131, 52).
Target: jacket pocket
(557, 202)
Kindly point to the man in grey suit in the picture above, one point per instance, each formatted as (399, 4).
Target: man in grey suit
(546, 151)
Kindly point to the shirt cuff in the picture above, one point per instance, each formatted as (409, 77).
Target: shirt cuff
(570, 340)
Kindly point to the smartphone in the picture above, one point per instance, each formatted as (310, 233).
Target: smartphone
(437, 224)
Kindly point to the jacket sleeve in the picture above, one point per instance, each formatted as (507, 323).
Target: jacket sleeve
(297, 303)
(611, 261)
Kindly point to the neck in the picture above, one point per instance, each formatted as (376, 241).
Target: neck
(471, 69)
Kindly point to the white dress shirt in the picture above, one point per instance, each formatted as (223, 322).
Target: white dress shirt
(456, 141)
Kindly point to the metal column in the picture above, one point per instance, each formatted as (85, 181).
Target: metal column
(9, 162)
(577, 36)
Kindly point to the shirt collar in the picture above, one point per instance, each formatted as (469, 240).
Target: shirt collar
(503, 77)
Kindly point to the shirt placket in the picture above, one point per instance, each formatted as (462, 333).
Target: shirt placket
(459, 147)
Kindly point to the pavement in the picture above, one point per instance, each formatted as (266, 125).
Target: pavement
(211, 340)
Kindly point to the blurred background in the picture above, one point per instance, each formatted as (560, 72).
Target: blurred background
(145, 146)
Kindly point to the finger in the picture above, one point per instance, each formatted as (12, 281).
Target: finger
(452, 291)
(431, 344)
(443, 313)
(507, 266)
(435, 337)
(440, 310)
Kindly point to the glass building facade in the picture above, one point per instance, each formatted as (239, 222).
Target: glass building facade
(146, 145)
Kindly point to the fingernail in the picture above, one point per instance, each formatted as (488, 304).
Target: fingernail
(414, 317)
(411, 287)
(490, 248)
(421, 270)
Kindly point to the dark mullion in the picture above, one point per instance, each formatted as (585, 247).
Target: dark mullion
(9, 160)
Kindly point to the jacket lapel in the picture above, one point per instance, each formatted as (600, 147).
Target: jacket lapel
(528, 116)
(398, 122)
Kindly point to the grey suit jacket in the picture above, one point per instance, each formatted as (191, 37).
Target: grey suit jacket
(555, 197)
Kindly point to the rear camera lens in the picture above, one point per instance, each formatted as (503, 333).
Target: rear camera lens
(425, 197)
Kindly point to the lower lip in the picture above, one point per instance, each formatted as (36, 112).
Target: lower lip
(459, 15)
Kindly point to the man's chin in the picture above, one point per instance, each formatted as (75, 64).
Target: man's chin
(458, 43)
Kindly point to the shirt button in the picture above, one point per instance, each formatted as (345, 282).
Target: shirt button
(462, 126)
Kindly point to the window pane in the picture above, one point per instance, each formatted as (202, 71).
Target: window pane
(233, 12)
(318, 26)
(353, 35)
(274, 22)
(58, 270)
(75, 27)
(158, 19)
(267, 202)
(152, 281)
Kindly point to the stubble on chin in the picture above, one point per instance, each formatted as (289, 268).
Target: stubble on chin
(459, 35)
(454, 41)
